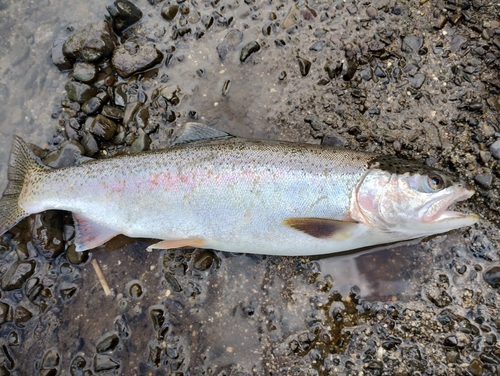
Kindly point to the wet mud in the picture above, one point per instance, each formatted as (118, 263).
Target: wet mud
(414, 79)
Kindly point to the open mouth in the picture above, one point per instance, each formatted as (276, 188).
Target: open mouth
(436, 210)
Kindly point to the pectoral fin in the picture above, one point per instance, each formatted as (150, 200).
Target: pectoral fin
(322, 228)
(177, 243)
(89, 234)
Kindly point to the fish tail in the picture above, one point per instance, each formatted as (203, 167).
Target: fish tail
(22, 162)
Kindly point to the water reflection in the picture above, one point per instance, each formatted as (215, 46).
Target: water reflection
(394, 272)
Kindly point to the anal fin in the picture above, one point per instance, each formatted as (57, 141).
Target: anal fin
(177, 243)
(89, 235)
(322, 228)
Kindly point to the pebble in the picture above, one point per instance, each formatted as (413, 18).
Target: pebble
(21, 316)
(492, 277)
(112, 113)
(79, 92)
(304, 66)
(371, 12)
(89, 143)
(46, 232)
(124, 14)
(130, 111)
(17, 274)
(65, 156)
(495, 149)
(133, 58)
(94, 42)
(105, 363)
(417, 80)
(229, 42)
(58, 58)
(411, 43)
(484, 180)
(85, 72)
(4, 310)
(248, 50)
(169, 11)
(103, 128)
(107, 343)
(141, 143)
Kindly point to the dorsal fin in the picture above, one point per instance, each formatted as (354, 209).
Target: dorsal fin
(193, 132)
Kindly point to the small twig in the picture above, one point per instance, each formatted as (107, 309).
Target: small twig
(101, 278)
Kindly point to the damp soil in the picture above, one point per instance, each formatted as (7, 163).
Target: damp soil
(415, 79)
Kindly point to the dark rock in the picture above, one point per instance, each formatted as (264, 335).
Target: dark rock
(65, 156)
(142, 116)
(441, 300)
(77, 366)
(318, 46)
(124, 14)
(67, 291)
(4, 310)
(334, 140)
(485, 156)
(456, 42)
(169, 11)
(93, 105)
(203, 259)
(51, 359)
(76, 258)
(451, 341)
(46, 232)
(89, 143)
(494, 103)
(248, 50)
(231, 39)
(94, 42)
(79, 92)
(352, 9)
(492, 277)
(130, 112)
(58, 58)
(484, 180)
(440, 22)
(135, 290)
(112, 113)
(120, 94)
(22, 316)
(103, 128)
(417, 80)
(349, 69)
(107, 343)
(411, 43)
(85, 72)
(495, 149)
(105, 363)
(379, 72)
(132, 58)
(304, 66)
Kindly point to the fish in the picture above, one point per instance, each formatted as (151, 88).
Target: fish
(216, 191)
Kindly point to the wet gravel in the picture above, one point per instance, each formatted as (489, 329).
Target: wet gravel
(415, 79)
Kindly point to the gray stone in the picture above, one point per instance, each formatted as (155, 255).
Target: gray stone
(84, 72)
(133, 58)
(495, 149)
(94, 42)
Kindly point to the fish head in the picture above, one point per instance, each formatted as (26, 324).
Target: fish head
(409, 200)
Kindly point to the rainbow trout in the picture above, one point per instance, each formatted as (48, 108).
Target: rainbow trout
(238, 195)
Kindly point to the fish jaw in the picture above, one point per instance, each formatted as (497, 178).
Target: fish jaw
(437, 213)
(394, 204)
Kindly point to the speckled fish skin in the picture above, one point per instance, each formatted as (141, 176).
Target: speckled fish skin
(234, 195)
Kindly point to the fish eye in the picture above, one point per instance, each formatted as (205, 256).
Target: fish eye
(435, 182)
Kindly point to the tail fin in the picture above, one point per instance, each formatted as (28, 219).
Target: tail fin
(22, 162)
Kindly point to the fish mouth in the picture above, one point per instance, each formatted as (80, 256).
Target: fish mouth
(437, 210)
